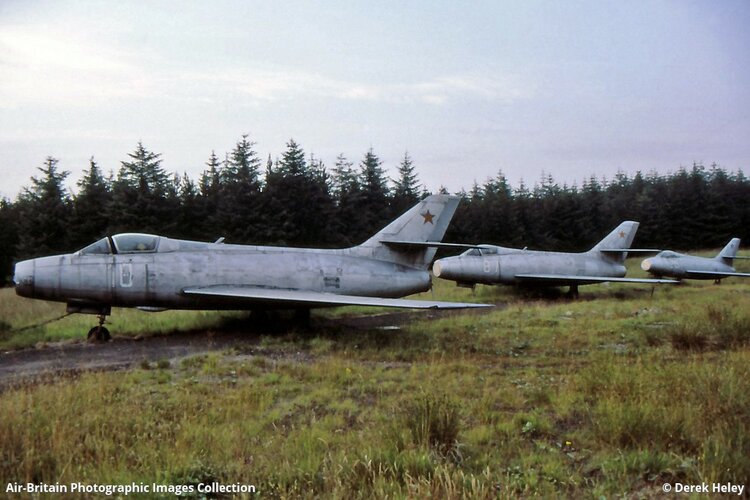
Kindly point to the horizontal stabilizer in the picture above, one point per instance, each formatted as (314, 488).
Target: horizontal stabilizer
(741, 257)
(630, 250)
(306, 298)
(426, 244)
(572, 278)
(717, 274)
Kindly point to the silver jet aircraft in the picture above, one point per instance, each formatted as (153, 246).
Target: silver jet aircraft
(493, 265)
(677, 265)
(155, 273)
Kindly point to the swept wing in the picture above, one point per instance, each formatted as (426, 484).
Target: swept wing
(572, 278)
(305, 298)
(717, 274)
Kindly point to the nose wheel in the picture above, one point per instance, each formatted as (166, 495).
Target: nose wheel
(99, 333)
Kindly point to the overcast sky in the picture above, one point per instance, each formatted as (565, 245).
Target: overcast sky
(468, 88)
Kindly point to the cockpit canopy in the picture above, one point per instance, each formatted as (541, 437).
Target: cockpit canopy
(482, 250)
(123, 243)
(101, 247)
(135, 242)
(668, 254)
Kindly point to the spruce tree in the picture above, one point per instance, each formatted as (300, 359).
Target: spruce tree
(9, 222)
(239, 205)
(90, 207)
(141, 200)
(298, 198)
(44, 213)
(373, 203)
(210, 188)
(406, 190)
(346, 191)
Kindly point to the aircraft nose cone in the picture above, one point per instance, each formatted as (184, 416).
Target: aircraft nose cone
(442, 269)
(655, 266)
(437, 268)
(23, 278)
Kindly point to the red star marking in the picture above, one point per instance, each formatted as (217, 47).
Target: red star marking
(622, 234)
(428, 217)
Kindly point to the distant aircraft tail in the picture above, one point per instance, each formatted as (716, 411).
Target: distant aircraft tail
(729, 252)
(406, 239)
(616, 243)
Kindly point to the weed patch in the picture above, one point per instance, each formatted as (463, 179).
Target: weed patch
(433, 421)
(716, 327)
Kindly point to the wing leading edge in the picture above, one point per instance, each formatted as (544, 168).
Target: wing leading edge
(565, 279)
(305, 298)
(717, 274)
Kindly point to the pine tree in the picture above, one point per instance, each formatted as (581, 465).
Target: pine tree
(406, 188)
(210, 181)
(498, 221)
(346, 191)
(9, 222)
(298, 197)
(344, 179)
(210, 188)
(142, 195)
(192, 212)
(44, 213)
(238, 211)
(144, 172)
(90, 207)
(373, 203)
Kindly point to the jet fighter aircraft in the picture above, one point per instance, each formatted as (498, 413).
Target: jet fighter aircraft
(155, 273)
(493, 265)
(678, 265)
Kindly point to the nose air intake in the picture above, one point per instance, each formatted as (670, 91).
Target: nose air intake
(437, 269)
(443, 268)
(23, 278)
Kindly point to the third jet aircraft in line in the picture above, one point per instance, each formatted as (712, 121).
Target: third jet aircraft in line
(493, 265)
(677, 265)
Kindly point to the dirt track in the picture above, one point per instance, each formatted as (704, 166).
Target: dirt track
(27, 365)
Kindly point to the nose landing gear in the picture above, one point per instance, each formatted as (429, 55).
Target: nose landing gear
(99, 333)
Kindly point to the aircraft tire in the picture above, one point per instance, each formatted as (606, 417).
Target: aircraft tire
(99, 334)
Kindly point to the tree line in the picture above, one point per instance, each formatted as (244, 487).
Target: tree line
(297, 200)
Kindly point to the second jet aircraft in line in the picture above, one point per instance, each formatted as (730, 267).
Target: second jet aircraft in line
(494, 265)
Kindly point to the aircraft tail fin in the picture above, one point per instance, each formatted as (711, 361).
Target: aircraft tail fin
(729, 252)
(617, 243)
(425, 222)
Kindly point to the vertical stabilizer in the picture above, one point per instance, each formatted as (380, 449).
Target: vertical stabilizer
(425, 222)
(729, 252)
(620, 238)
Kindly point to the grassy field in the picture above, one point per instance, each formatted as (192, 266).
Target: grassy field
(613, 394)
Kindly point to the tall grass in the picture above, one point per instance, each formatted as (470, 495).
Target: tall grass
(716, 327)
(540, 398)
(17, 314)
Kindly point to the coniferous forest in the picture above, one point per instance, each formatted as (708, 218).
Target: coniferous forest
(296, 200)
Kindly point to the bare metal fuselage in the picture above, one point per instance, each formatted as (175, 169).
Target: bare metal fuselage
(157, 279)
(686, 266)
(505, 267)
